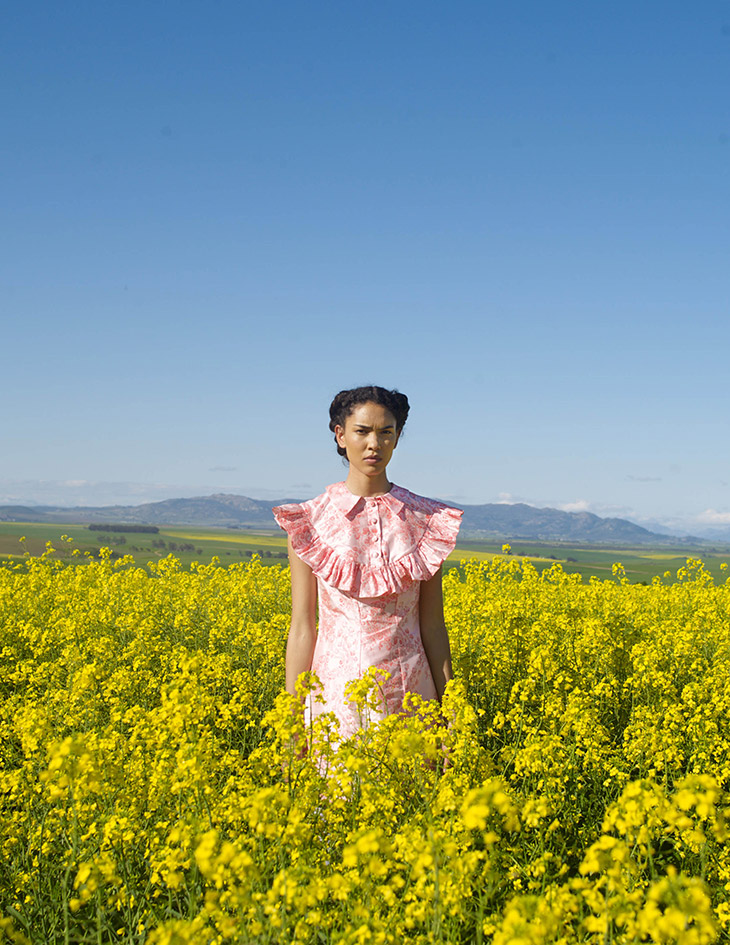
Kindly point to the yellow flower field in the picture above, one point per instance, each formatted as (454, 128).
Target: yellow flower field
(154, 788)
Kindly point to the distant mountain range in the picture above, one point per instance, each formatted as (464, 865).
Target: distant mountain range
(517, 521)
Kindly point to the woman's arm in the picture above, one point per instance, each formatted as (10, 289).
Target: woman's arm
(433, 632)
(303, 629)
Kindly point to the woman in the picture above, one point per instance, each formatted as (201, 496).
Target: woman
(370, 552)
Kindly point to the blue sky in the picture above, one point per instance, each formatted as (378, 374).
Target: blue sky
(218, 215)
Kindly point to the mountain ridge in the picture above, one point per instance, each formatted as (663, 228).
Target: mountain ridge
(229, 510)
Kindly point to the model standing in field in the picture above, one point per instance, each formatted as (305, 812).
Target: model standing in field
(370, 552)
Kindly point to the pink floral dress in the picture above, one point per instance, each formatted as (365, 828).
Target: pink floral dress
(369, 556)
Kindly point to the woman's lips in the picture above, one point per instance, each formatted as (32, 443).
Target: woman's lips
(372, 459)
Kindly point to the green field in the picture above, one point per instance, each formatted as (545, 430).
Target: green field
(186, 543)
(229, 545)
(641, 564)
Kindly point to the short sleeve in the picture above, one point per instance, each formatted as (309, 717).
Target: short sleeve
(436, 543)
(308, 526)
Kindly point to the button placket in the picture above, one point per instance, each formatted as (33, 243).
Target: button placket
(375, 529)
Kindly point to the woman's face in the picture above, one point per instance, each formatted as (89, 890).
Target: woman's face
(369, 437)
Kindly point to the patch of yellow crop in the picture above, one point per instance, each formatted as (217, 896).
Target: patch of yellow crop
(619, 553)
(157, 786)
(459, 555)
(238, 538)
(658, 556)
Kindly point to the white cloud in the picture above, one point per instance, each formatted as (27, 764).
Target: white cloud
(509, 498)
(580, 505)
(713, 517)
(608, 510)
(506, 498)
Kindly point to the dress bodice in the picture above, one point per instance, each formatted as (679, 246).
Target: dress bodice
(369, 556)
(371, 546)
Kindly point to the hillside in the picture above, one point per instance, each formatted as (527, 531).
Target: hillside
(238, 511)
(526, 521)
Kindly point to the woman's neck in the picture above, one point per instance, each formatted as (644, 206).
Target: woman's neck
(366, 486)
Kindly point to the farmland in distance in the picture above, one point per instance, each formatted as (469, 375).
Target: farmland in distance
(190, 544)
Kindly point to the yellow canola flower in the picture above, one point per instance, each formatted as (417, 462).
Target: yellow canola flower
(484, 801)
(678, 910)
(572, 786)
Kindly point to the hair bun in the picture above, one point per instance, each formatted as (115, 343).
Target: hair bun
(345, 402)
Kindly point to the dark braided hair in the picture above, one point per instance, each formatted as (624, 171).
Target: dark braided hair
(345, 402)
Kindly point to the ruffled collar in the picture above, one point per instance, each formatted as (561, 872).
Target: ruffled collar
(328, 535)
(349, 503)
